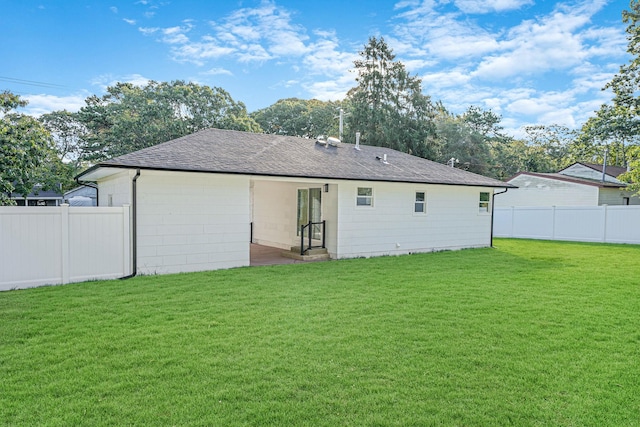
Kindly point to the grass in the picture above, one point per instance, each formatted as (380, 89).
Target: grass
(529, 333)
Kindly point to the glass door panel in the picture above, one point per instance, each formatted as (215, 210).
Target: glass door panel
(315, 212)
(303, 208)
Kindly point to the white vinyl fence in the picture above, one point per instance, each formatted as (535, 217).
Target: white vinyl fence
(609, 224)
(55, 245)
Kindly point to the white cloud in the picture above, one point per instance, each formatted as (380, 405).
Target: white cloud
(106, 80)
(253, 52)
(330, 66)
(41, 103)
(176, 35)
(326, 58)
(485, 6)
(147, 31)
(217, 72)
(428, 33)
(450, 78)
(255, 34)
(129, 21)
(547, 69)
(197, 53)
(267, 24)
(559, 41)
(330, 90)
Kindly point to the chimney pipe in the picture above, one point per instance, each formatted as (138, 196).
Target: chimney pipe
(357, 147)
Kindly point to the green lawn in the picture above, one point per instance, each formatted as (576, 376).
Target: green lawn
(527, 333)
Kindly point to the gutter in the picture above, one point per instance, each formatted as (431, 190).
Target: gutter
(287, 176)
(492, 210)
(134, 226)
(89, 184)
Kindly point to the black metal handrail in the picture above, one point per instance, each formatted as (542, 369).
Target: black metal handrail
(307, 226)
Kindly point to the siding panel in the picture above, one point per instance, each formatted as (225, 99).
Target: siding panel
(391, 227)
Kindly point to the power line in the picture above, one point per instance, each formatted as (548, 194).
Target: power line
(30, 82)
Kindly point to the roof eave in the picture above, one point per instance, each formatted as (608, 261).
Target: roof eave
(101, 171)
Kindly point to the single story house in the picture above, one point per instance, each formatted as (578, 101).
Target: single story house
(198, 201)
(39, 197)
(580, 184)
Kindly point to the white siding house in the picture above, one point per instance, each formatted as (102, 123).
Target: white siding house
(580, 184)
(198, 202)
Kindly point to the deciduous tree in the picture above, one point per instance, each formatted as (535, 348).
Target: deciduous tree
(129, 118)
(616, 126)
(299, 117)
(26, 151)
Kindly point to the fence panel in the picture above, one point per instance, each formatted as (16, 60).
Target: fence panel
(534, 223)
(623, 224)
(54, 245)
(579, 223)
(611, 224)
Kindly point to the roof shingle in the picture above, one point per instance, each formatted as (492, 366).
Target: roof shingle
(235, 152)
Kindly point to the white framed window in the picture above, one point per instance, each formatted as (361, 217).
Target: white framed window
(485, 199)
(420, 203)
(364, 197)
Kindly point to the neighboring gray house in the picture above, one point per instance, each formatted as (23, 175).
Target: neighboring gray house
(82, 196)
(581, 184)
(198, 201)
(39, 197)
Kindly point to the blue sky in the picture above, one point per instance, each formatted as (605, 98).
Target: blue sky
(532, 62)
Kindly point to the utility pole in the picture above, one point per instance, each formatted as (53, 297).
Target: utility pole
(604, 164)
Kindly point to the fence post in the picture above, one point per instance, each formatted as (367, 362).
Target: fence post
(513, 220)
(64, 242)
(604, 228)
(553, 222)
(126, 241)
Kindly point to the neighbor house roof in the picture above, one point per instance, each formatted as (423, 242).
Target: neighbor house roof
(235, 152)
(614, 171)
(39, 194)
(569, 178)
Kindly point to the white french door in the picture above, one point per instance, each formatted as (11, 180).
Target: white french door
(310, 210)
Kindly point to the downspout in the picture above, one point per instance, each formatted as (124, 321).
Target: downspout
(134, 226)
(492, 208)
(92, 185)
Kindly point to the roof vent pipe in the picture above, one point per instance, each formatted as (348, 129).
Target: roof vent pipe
(357, 147)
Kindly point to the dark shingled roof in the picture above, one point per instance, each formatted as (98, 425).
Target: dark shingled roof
(614, 171)
(235, 152)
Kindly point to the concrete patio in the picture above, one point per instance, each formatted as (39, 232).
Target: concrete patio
(266, 255)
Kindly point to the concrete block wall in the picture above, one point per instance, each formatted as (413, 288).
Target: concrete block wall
(192, 222)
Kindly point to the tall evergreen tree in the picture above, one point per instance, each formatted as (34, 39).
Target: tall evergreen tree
(388, 107)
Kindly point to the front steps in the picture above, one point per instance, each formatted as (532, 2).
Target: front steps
(315, 254)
